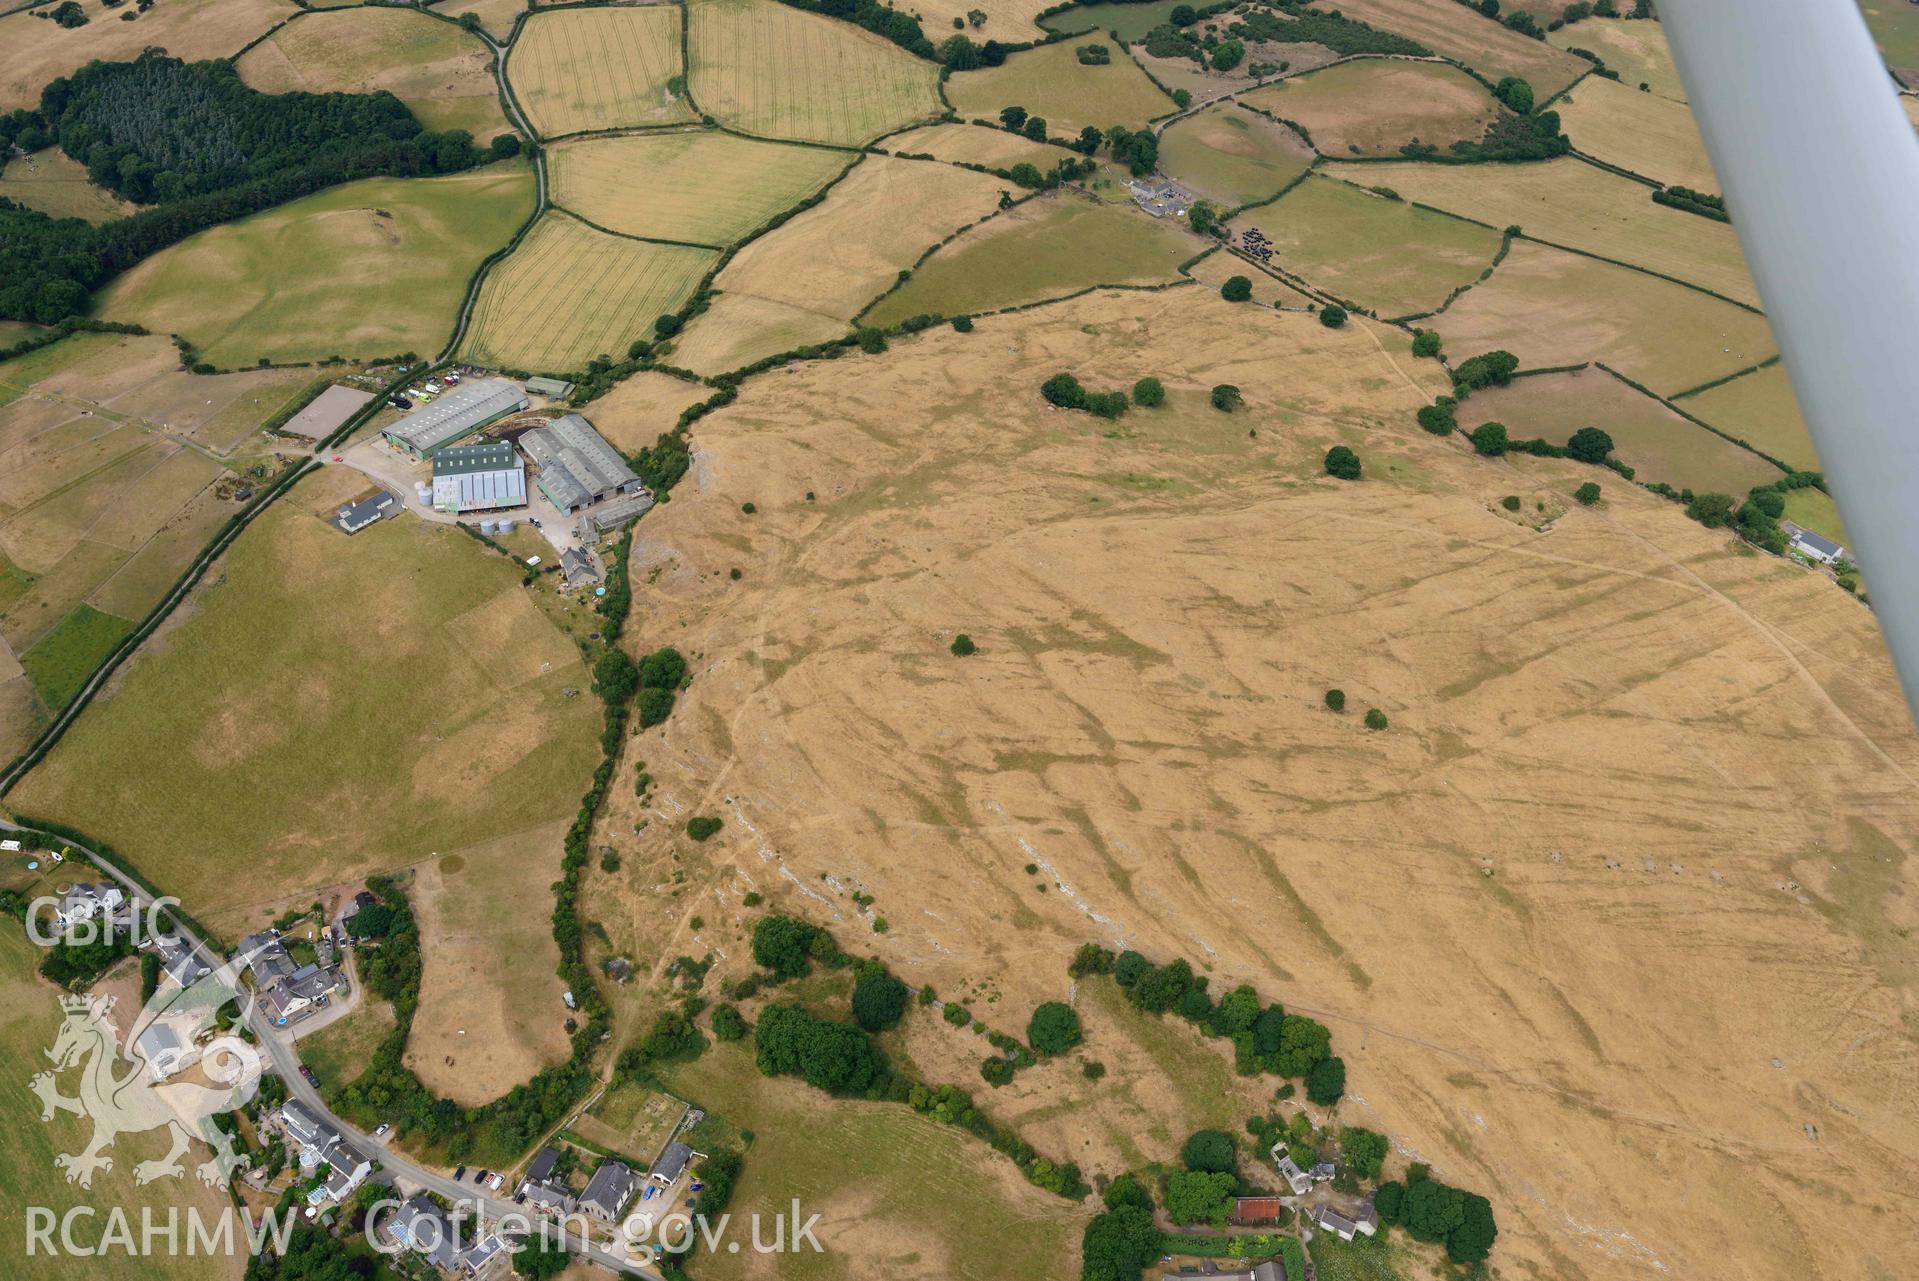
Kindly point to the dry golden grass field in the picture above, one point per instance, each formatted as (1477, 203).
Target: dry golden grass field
(569, 293)
(1452, 31)
(598, 69)
(1635, 49)
(701, 186)
(1651, 136)
(1038, 251)
(1549, 307)
(1383, 254)
(976, 145)
(1658, 444)
(1609, 925)
(34, 50)
(490, 1011)
(344, 1048)
(370, 268)
(1572, 203)
(765, 69)
(1051, 82)
(1760, 407)
(1215, 269)
(56, 184)
(375, 699)
(1374, 106)
(1008, 21)
(1233, 156)
(496, 16)
(805, 281)
(639, 408)
(443, 74)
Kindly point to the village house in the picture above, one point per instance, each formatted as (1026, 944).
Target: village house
(422, 1227)
(1363, 1222)
(672, 1163)
(541, 1190)
(162, 1049)
(1271, 1270)
(178, 961)
(311, 1137)
(349, 1168)
(85, 902)
(608, 1191)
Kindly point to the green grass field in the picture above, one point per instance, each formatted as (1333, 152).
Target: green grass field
(60, 662)
(325, 707)
(341, 1050)
(700, 186)
(892, 1188)
(29, 1019)
(1037, 252)
(1816, 511)
(1895, 29)
(1052, 82)
(570, 293)
(1382, 254)
(56, 184)
(1233, 156)
(370, 268)
(1760, 408)
(765, 69)
(608, 68)
(1132, 21)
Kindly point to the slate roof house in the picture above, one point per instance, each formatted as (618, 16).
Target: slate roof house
(608, 1191)
(420, 1226)
(672, 1164)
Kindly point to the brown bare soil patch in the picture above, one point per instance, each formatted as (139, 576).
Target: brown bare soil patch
(1610, 912)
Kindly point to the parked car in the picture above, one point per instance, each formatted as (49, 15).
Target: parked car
(459, 1174)
(694, 1187)
(307, 1072)
(399, 402)
(480, 1177)
(384, 1127)
(495, 1182)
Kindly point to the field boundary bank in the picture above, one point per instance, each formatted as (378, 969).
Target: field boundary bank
(583, 220)
(1734, 376)
(1697, 421)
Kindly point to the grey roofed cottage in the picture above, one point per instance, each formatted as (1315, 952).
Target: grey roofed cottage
(478, 477)
(457, 413)
(577, 466)
(672, 1164)
(419, 1225)
(1296, 1179)
(577, 566)
(541, 1168)
(545, 1196)
(610, 1188)
(160, 1046)
(1271, 1270)
(308, 1132)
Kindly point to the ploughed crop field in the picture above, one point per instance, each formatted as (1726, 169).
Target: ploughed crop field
(369, 268)
(607, 68)
(325, 707)
(1374, 106)
(35, 50)
(1036, 252)
(569, 293)
(1569, 202)
(700, 186)
(1052, 83)
(1639, 132)
(56, 184)
(1233, 156)
(1551, 308)
(1382, 254)
(766, 69)
(443, 74)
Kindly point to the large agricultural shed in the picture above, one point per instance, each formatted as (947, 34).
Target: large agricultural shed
(478, 478)
(577, 466)
(326, 411)
(458, 413)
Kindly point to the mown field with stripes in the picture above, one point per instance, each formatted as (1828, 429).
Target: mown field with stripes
(581, 69)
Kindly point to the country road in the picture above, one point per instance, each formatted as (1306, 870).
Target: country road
(280, 1050)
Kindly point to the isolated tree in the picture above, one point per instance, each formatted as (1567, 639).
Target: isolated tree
(1183, 15)
(666, 326)
(1769, 501)
(1426, 343)
(1342, 462)
(1054, 1028)
(783, 945)
(664, 668)
(1364, 1150)
(1035, 128)
(654, 706)
(959, 53)
(1489, 439)
(1587, 494)
(1589, 445)
(1375, 719)
(1064, 390)
(1226, 398)
(976, 18)
(1515, 93)
(1510, 502)
(615, 678)
(728, 1025)
(1332, 316)
(1117, 1245)
(879, 1000)
(1336, 699)
(1227, 54)
(1210, 1152)
(1203, 217)
(1149, 393)
(1236, 289)
(1127, 1190)
(1437, 417)
(963, 645)
(1013, 118)
(1489, 369)
(1089, 139)
(702, 826)
(997, 1071)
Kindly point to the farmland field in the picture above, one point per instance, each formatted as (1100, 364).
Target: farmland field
(569, 293)
(808, 279)
(56, 184)
(1038, 251)
(639, 408)
(1657, 443)
(1216, 269)
(1232, 156)
(496, 16)
(598, 68)
(766, 69)
(362, 719)
(1648, 135)
(34, 51)
(1815, 510)
(490, 1010)
(1131, 21)
(28, 1028)
(1895, 28)
(1008, 21)
(342, 1049)
(1482, 44)
(700, 186)
(1635, 49)
(1383, 254)
(1572, 203)
(369, 268)
(1759, 408)
(1374, 106)
(443, 74)
(1052, 83)
(972, 144)
(1549, 307)
(890, 1185)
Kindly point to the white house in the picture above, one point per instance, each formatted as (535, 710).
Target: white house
(84, 902)
(165, 1053)
(1297, 1179)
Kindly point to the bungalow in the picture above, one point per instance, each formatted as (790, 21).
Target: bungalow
(178, 960)
(484, 1254)
(672, 1164)
(1271, 1270)
(1814, 546)
(161, 1047)
(608, 1191)
(550, 1196)
(1363, 1224)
